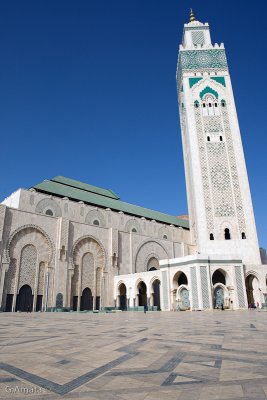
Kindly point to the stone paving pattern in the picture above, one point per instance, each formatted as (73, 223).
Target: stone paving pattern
(134, 356)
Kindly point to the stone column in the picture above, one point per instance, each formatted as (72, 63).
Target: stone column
(70, 273)
(16, 284)
(5, 266)
(35, 289)
(79, 289)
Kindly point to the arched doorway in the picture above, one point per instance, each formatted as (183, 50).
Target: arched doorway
(122, 297)
(218, 277)
(24, 299)
(184, 298)
(218, 297)
(86, 300)
(180, 292)
(156, 293)
(253, 291)
(142, 294)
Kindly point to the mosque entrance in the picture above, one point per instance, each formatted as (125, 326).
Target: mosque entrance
(218, 297)
(156, 294)
(184, 296)
(24, 299)
(253, 291)
(86, 300)
(122, 297)
(142, 296)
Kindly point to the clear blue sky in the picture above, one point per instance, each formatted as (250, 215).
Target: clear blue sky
(88, 91)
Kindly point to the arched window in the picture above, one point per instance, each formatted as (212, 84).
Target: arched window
(134, 230)
(211, 236)
(221, 139)
(208, 138)
(227, 235)
(165, 237)
(223, 103)
(49, 212)
(96, 222)
(243, 235)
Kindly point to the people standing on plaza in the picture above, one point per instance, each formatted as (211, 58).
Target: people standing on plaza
(222, 307)
(145, 308)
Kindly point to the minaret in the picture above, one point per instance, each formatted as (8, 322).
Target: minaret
(219, 201)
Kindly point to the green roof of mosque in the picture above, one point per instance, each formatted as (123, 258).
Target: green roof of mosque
(105, 198)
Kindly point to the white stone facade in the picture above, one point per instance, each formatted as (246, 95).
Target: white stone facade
(66, 253)
(120, 244)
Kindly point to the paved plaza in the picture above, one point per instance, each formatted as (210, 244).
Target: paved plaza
(134, 356)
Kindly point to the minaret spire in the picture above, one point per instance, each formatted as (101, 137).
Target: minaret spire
(192, 16)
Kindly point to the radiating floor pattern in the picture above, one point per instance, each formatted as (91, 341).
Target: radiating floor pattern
(134, 356)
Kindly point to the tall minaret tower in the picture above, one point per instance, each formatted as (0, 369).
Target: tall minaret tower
(219, 201)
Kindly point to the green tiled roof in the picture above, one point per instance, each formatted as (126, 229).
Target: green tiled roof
(78, 191)
(85, 186)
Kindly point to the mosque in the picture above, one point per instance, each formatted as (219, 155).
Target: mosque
(70, 245)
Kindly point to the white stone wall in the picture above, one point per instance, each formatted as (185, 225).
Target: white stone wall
(125, 251)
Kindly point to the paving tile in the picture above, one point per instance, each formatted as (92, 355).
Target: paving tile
(135, 357)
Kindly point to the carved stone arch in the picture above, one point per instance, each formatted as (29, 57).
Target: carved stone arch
(152, 280)
(121, 282)
(145, 250)
(136, 285)
(227, 225)
(150, 258)
(88, 244)
(223, 272)
(95, 215)
(254, 273)
(30, 234)
(211, 84)
(133, 224)
(48, 204)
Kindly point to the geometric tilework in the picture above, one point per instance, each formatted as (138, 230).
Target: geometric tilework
(204, 287)
(233, 171)
(240, 289)
(220, 180)
(202, 59)
(198, 37)
(204, 170)
(193, 275)
(165, 291)
(173, 356)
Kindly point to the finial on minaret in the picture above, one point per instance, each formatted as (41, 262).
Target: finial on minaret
(192, 15)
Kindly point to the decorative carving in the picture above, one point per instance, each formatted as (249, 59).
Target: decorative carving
(133, 224)
(95, 215)
(202, 60)
(47, 203)
(28, 264)
(198, 37)
(148, 250)
(30, 234)
(204, 170)
(11, 277)
(88, 274)
(153, 262)
(41, 280)
(88, 244)
(233, 171)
